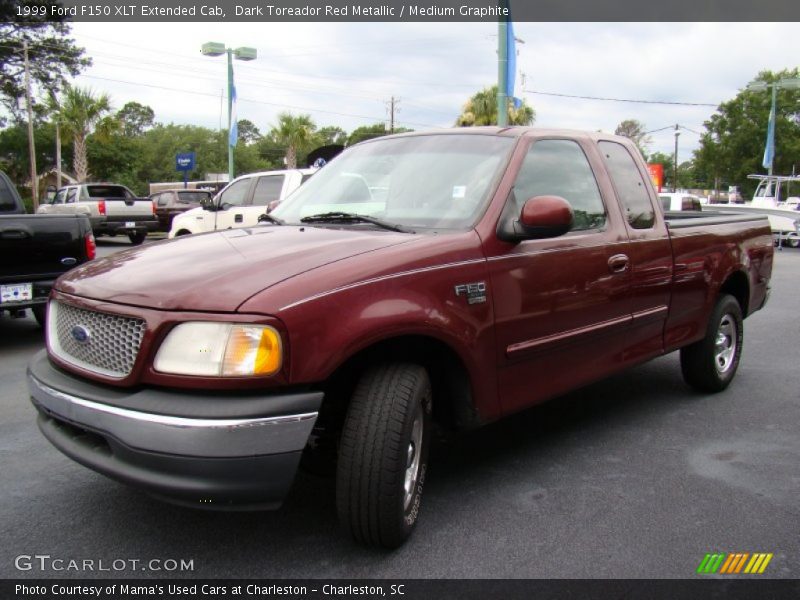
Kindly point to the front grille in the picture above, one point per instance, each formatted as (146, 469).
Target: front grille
(100, 342)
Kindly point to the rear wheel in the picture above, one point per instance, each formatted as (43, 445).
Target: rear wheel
(710, 364)
(137, 238)
(383, 454)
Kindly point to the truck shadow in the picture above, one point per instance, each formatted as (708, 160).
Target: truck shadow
(303, 538)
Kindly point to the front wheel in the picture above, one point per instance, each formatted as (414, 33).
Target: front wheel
(383, 454)
(710, 364)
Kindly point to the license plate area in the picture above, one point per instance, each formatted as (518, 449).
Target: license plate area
(130, 225)
(17, 292)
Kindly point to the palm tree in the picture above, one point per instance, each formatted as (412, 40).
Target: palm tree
(293, 133)
(79, 114)
(481, 109)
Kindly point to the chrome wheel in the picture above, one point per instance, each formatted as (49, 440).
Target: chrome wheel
(725, 344)
(413, 454)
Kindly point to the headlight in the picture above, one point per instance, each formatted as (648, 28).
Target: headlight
(220, 350)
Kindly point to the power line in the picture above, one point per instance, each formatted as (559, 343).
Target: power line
(671, 103)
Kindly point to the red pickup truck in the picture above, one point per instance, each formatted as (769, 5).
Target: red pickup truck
(440, 278)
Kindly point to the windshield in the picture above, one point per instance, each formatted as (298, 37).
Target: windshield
(420, 182)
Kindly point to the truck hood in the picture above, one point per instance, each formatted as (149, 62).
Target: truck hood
(217, 272)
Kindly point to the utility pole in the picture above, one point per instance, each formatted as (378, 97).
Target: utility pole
(675, 161)
(31, 144)
(392, 109)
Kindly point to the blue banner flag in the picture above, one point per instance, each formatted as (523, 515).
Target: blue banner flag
(769, 151)
(233, 135)
(511, 65)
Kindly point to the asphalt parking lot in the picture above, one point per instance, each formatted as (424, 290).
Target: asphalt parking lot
(633, 477)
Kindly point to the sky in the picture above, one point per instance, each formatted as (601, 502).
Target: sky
(345, 73)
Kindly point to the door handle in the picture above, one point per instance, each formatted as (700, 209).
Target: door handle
(619, 263)
(237, 218)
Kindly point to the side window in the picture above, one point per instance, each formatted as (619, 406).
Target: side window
(268, 189)
(666, 202)
(163, 199)
(59, 197)
(71, 193)
(560, 168)
(7, 200)
(629, 184)
(235, 194)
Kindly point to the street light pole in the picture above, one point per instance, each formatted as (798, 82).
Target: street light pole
(230, 111)
(242, 53)
(675, 161)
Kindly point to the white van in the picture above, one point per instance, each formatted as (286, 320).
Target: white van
(241, 202)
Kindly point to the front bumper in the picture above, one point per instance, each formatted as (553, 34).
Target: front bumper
(235, 452)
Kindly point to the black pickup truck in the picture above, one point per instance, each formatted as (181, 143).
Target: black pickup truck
(35, 250)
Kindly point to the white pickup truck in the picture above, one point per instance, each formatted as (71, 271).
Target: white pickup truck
(241, 202)
(112, 209)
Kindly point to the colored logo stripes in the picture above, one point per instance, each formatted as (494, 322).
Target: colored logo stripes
(734, 563)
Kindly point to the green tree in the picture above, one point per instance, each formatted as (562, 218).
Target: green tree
(481, 109)
(733, 145)
(135, 118)
(53, 56)
(79, 113)
(327, 136)
(294, 133)
(248, 132)
(635, 131)
(368, 132)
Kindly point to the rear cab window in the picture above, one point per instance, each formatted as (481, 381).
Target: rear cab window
(630, 185)
(107, 191)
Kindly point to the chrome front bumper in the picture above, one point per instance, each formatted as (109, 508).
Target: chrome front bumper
(216, 452)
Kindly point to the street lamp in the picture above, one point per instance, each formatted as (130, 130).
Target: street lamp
(243, 53)
(787, 84)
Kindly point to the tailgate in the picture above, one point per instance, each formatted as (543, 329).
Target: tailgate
(40, 246)
(119, 207)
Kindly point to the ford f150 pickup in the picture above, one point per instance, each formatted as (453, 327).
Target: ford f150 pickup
(34, 251)
(440, 278)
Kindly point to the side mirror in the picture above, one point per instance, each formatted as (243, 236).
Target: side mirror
(541, 217)
(207, 204)
(272, 206)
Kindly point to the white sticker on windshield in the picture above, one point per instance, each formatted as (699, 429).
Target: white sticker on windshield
(459, 191)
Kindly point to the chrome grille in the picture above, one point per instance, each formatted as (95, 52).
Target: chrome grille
(100, 342)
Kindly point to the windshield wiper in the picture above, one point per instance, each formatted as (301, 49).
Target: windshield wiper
(269, 218)
(343, 217)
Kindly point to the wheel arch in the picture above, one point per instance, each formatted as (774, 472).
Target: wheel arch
(738, 285)
(453, 399)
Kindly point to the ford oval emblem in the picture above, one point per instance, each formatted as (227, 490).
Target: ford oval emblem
(69, 261)
(80, 334)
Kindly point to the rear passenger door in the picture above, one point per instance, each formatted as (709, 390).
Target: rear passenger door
(562, 308)
(649, 254)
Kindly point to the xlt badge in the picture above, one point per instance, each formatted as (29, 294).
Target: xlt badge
(475, 292)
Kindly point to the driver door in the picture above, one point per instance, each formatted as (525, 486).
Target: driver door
(231, 204)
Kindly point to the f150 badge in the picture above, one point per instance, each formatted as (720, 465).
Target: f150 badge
(475, 292)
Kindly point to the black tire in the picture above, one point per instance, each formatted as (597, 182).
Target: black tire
(378, 443)
(793, 241)
(40, 314)
(137, 238)
(710, 364)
